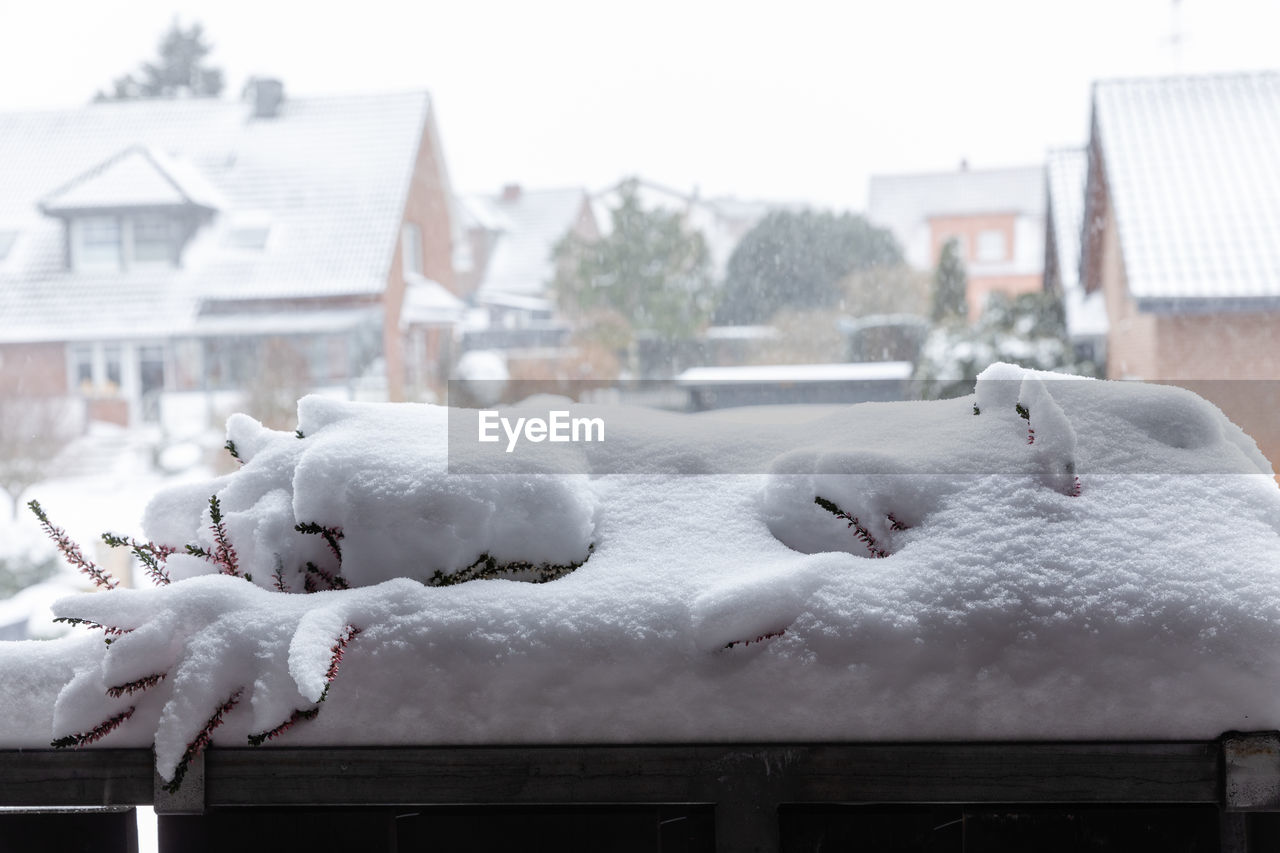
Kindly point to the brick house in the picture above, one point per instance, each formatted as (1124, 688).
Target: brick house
(160, 246)
(996, 215)
(1182, 217)
(505, 265)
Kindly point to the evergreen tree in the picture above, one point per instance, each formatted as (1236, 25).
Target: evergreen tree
(178, 70)
(797, 260)
(1027, 330)
(950, 286)
(650, 274)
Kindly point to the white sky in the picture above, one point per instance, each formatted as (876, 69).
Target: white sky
(783, 100)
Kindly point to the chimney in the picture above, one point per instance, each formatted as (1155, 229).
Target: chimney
(511, 193)
(267, 94)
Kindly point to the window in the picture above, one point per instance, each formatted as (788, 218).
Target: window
(82, 369)
(991, 246)
(411, 248)
(98, 243)
(116, 242)
(252, 237)
(111, 368)
(152, 239)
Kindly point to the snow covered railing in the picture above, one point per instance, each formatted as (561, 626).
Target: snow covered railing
(747, 786)
(1050, 592)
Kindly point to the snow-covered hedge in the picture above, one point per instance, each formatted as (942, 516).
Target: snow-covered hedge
(1044, 559)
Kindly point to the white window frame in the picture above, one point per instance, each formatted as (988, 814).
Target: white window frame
(81, 258)
(992, 246)
(132, 228)
(411, 260)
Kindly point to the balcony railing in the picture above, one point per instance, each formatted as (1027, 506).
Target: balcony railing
(1189, 795)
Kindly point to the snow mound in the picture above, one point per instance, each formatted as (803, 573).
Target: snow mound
(375, 474)
(898, 571)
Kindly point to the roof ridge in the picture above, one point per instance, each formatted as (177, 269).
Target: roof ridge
(947, 173)
(1215, 76)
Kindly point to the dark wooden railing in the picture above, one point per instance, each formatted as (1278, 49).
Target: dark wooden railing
(1207, 795)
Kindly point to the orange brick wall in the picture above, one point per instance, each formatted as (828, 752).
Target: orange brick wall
(1238, 357)
(944, 228)
(33, 370)
(1231, 359)
(1131, 340)
(1219, 346)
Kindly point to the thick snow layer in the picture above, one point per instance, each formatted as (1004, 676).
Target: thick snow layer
(1012, 600)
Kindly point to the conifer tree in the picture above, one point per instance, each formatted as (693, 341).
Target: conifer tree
(177, 71)
(950, 286)
(650, 272)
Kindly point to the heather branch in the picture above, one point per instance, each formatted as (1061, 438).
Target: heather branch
(135, 686)
(486, 567)
(1025, 414)
(331, 536)
(296, 717)
(334, 581)
(336, 652)
(299, 714)
(760, 639)
(95, 734)
(109, 629)
(860, 533)
(201, 741)
(149, 554)
(224, 556)
(71, 551)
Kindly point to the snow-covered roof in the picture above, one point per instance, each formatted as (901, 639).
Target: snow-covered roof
(850, 372)
(1066, 170)
(530, 223)
(135, 177)
(1193, 175)
(427, 302)
(330, 174)
(905, 203)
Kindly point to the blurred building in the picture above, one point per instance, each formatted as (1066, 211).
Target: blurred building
(996, 216)
(1182, 225)
(161, 245)
(1181, 237)
(505, 262)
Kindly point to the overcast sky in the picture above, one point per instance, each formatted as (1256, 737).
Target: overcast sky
(794, 100)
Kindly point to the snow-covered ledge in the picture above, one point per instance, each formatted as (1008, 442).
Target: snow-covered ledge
(1042, 561)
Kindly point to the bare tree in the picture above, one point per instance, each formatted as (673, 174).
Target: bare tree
(32, 432)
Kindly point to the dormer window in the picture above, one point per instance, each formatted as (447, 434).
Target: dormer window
(153, 239)
(138, 208)
(121, 242)
(95, 242)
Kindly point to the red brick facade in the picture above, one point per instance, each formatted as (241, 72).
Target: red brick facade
(968, 230)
